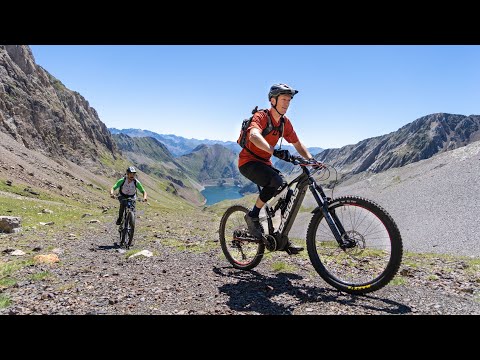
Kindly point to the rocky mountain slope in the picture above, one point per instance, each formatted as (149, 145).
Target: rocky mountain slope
(37, 110)
(421, 139)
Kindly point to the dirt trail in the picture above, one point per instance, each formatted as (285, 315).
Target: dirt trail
(188, 274)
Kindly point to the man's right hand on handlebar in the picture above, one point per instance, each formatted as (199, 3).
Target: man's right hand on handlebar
(282, 154)
(315, 163)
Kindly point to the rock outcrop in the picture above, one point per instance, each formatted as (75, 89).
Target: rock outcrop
(38, 111)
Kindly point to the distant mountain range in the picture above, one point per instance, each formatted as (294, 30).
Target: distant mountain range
(179, 145)
(205, 164)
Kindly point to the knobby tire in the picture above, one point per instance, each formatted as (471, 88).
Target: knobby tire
(368, 266)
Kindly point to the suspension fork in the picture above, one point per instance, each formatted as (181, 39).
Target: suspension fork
(332, 220)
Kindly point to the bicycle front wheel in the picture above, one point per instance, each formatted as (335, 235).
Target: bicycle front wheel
(377, 252)
(131, 228)
(242, 253)
(123, 233)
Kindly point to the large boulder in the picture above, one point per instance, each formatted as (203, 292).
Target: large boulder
(10, 224)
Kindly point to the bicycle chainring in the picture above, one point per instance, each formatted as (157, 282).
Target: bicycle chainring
(270, 242)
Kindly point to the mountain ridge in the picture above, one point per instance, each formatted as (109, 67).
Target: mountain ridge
(418, 140)
(421, 139)
(37, 110)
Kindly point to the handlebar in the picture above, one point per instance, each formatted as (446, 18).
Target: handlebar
(139, 199)
(298, 160)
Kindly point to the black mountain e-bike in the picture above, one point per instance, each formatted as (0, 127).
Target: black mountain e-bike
(127, 226)
(352, 242)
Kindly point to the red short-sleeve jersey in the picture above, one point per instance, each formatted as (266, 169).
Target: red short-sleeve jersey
(260, 121)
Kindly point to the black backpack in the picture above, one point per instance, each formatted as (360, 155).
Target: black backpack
(242, 139)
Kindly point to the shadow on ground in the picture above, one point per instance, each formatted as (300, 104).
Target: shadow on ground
(107, 247)
(257, 293)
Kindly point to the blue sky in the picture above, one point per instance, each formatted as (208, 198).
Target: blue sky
(347, 93)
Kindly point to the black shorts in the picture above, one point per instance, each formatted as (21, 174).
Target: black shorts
(270, 179)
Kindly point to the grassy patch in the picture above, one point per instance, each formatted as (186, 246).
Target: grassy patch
(430, 260)
(58, 85)
(8, 268)
(131, 252)
(4, 301)
(280, 266)
(473, 267)
(26, 191)
(220, 207)
(204, 246)
(409, 262)
(396, 179)
(66, 286)
(7, 282)
(40, 276)
(34, 212)
(476, 297)
(175, 243)
(109, 162)
(398, 280)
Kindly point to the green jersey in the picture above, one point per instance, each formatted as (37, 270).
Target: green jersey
(128, 188)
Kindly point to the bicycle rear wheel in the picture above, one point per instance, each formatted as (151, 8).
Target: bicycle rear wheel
(372, 262)
(233, 232)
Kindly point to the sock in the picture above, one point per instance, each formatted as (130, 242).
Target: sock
(254, 212)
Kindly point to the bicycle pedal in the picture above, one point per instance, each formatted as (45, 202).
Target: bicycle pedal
(293, 251)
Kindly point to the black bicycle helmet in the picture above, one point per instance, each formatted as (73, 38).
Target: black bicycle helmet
(131, 169)
(279, 89)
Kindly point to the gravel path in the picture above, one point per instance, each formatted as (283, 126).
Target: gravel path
(94, 277)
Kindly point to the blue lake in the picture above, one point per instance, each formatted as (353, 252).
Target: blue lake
(215, 194)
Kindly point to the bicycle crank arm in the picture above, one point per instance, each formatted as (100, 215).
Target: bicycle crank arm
(246, 238)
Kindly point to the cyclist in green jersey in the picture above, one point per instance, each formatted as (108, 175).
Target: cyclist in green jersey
(128, 186)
